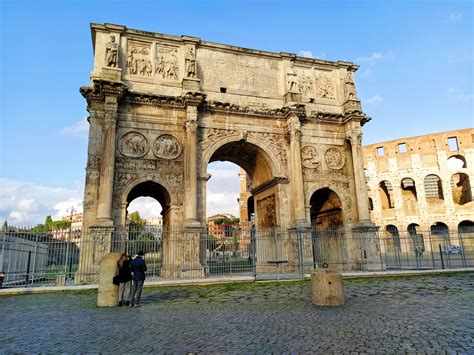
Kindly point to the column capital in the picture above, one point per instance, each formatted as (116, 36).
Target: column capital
(355, 138)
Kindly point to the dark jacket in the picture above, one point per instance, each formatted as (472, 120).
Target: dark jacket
(125, 272)
(138, 268)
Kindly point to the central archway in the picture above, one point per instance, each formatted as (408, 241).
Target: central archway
(262, 168)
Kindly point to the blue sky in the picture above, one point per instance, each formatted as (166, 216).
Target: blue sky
(416, 75)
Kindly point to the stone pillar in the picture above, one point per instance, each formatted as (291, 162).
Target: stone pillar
(359, 177)
(104, 210)
(190, 165)
(107, 294)
(327, 288)
(296, 173)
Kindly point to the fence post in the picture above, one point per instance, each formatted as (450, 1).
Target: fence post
(300, 250)
(28, 268)
(2, 255)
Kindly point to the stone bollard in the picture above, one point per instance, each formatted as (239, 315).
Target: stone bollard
(107, 294)
(327, 288)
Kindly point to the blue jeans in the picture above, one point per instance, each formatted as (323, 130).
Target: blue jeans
(137, 291)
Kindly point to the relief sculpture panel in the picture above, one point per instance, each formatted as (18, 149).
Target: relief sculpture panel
(325, 88)
(334, 158)
(309, 157)
(138, 59)
(167, 146)
(266, 212)
(166, 63)
(133, 144)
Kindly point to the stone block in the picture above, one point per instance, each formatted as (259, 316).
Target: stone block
(327, 288)
(107, 294)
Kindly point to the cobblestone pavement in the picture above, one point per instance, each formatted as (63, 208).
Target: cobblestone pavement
(428, 314)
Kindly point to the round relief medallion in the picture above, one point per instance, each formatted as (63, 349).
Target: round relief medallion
(167, 147)
(334, 158)
(133, 144)
(309, 157)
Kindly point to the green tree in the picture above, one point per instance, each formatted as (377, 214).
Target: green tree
(5, 226)
(137, 225)
(48, 223)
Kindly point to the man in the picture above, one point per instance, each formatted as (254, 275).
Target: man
(138, 269)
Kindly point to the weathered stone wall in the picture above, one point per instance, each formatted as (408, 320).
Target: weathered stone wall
(423, 156)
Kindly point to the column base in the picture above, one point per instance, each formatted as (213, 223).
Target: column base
(292, 97)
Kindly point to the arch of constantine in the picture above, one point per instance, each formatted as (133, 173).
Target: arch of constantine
(162, 107)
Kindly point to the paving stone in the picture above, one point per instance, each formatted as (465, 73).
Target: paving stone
(253, 318)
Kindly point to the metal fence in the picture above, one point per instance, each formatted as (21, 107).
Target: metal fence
(37, 259)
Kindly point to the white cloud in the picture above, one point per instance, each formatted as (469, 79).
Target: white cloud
(455, 17)
(371, 60)
(373, 100)
(459, 95)
(148, 207)
(25, 203)
(309, 54)
(78, 129)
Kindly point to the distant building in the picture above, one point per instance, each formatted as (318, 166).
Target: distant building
(223, 229)
(422, 183)
(72, 233)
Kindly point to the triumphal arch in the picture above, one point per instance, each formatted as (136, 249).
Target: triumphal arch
(162, 107)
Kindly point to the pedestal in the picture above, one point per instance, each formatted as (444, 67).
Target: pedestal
(327, 288)
(107, 294)
(191, 84)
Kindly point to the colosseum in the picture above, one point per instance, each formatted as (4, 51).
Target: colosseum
(421, 186)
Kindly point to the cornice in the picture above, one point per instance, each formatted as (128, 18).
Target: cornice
(136, 98)
(102, 88)
(269, 183)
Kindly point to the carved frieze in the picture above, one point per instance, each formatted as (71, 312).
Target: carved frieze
(166, 63)
(111, 53)
(309, 157)
(334, 158)
(133, 144)
(138, 59)
(212, 135)
(327, 117)
(335, 177)
(167, 146)
(155, 100)
(135, 164)
(325, 88)
(224, 107)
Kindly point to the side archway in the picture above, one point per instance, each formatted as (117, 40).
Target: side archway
(326, 209)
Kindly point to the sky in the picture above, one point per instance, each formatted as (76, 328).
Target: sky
(415, 77)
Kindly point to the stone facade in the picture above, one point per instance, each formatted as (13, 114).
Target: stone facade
(422, 183)
(163, 107)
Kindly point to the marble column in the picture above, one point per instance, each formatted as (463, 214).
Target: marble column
(104, 210)
(359, 177)
(296, 172)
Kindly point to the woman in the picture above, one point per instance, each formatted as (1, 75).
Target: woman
(125, 276)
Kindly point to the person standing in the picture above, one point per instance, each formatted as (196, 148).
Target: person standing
(138, 269)
(125, 277)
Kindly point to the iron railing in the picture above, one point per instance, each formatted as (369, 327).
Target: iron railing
(30, 258)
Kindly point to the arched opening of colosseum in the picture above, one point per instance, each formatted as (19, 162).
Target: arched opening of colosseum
(457, 162)
(433, 189)
(386, 198)
(410, 201)
(466, 236)
(326, 209)
(461, 188)
(257, 166)
(440, 233)
(417, 240)
(392, 238)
